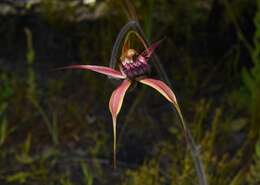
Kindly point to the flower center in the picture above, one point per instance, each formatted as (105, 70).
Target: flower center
(134, 65)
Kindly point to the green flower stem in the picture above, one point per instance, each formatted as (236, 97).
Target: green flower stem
(200, 170)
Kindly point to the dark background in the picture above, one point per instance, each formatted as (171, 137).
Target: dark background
(55, 126)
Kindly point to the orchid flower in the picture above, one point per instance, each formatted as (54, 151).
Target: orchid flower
(134, 67)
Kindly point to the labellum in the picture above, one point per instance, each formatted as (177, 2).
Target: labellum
(134, 66)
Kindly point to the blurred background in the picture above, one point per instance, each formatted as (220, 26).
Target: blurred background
(55, 126)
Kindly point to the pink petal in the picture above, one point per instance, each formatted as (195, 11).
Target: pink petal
(100, 69)
(115, 105)
(148, 52)
(161, 87)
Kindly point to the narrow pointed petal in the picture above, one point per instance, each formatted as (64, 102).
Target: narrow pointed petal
(148, 52)
(161, 87)
(99, 69)
(115, 105)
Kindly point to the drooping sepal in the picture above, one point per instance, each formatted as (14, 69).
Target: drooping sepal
(115, 105)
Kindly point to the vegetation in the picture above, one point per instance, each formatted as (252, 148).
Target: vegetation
(55, 126)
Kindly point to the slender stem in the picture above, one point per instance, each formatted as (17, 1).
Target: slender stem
(195, 153)
(148, 20)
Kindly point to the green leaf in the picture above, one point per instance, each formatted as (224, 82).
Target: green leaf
(257, 149)
(88, 178)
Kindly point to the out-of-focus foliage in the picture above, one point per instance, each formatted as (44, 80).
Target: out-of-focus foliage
(253, 176)
(6, 92)
(55, 127)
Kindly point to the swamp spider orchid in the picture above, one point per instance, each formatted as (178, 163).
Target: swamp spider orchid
(133, 67)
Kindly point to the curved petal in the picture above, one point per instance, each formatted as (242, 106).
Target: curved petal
(161, 87)
(99, 69)
(115, 105)
(149, 51)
